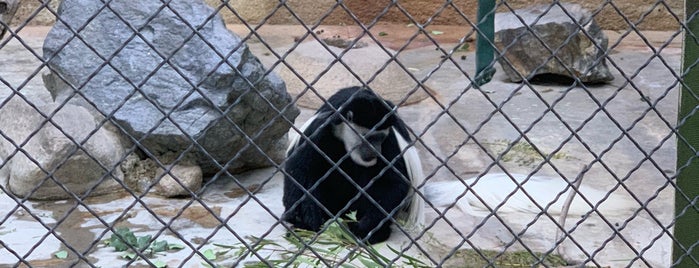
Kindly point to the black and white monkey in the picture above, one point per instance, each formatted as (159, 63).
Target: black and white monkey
(368, 141)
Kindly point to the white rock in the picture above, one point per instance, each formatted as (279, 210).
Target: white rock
(189, 176)
(51, 156)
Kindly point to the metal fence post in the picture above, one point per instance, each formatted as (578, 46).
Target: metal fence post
(484, 43)
(686, 251)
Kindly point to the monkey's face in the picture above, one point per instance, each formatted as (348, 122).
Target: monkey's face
(363, 144)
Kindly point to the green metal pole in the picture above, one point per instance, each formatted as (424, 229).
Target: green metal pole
(686, 250)
(484, 47)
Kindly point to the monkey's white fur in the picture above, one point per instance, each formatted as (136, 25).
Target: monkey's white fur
(415, 217)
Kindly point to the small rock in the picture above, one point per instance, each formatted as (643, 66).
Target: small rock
(52, 155)
(171, 184)
(138, 173)
(145, 175)
(526, 57)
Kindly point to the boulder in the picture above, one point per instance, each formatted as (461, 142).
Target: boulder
(7, 11)
(37, 155)
(580, 50)
(168, 85)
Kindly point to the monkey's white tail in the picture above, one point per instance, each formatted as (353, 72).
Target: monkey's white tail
(494, 189)
(414, 217)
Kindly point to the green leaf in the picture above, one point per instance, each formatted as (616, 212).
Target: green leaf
(383, 34)
(122, 238)
(336, 250)
(175, 246)
(209, 254)
(159, 264)
(127, 235)
(369, 263)
(437, 32)
(415, 262)
(142, 242)
(123, 231)
(159, 246)
(296, 237)
(118, 244)
(374, 254)
(255, 264)
(129, 255)
(241, 253)
(263, 242)
(354, 255)
(226, 246)
(61, 254)
(352, 216)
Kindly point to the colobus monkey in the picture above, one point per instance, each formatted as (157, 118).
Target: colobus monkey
(368, 142)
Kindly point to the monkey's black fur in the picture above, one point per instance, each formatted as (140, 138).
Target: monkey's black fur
(306, 166)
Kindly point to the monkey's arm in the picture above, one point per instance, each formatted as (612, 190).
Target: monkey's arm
(389, 193)
(301, 208)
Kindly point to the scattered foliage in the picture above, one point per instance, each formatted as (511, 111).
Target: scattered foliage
(123, 240)
(522, 152)
(335, 247)
(481, 258)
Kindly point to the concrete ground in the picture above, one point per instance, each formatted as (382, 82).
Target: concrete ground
(620, 131)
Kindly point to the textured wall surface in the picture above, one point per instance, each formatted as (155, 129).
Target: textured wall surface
(645, 14)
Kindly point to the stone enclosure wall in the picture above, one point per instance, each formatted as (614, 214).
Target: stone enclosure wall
(646, 14)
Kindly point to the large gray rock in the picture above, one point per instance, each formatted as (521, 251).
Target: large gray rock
(150, 80)
(7, 11)
(578, 55)
(52, 147)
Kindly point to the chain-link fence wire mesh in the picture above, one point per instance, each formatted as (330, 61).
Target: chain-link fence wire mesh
(494, 110)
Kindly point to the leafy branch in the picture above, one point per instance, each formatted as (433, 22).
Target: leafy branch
(334, 246)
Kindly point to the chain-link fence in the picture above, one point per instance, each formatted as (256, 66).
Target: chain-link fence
(148, 134)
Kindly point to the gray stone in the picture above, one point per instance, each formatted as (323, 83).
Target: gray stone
(577, 54)
(46, 147)
(155, 99)
(7, 11)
